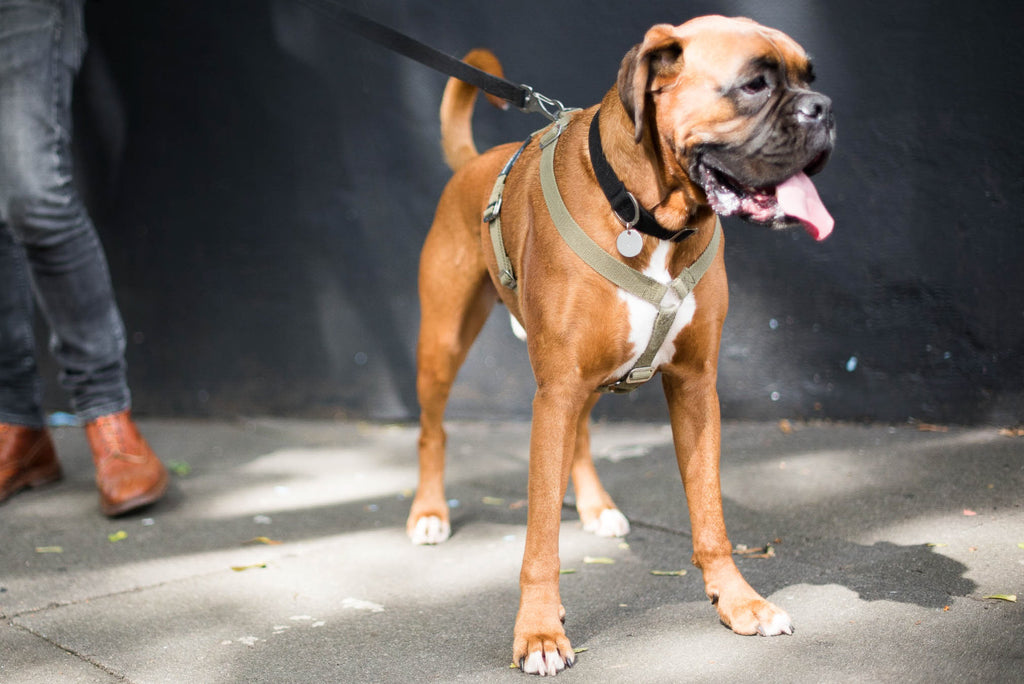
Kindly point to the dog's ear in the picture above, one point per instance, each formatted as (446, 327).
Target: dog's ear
(647, 67)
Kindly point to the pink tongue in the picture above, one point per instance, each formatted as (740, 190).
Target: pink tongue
(798, 198)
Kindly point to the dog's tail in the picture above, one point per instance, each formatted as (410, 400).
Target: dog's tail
(457, 110)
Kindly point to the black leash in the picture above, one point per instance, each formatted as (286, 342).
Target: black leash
(522, 96)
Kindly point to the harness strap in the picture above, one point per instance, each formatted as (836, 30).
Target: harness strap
(665, 297)
(624, 276)
(492, 216)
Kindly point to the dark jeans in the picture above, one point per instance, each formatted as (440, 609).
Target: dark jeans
(50, 254)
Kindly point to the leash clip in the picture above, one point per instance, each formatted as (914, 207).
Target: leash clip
(541, 104)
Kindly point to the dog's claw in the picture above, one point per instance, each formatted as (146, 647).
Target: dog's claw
(545, 663)
(778, 624)
(430, 530)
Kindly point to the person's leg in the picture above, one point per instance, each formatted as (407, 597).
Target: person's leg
(27, 457)
(41, 47)
(20, 385)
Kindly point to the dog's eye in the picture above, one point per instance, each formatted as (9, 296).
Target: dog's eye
(755, 86)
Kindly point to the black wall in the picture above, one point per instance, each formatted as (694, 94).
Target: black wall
(263, 181)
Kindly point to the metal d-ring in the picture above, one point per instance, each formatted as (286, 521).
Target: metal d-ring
(636, 212)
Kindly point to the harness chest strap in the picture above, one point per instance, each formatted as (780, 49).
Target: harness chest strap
(622, 275)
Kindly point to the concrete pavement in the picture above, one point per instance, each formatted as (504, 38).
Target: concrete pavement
(887, 542)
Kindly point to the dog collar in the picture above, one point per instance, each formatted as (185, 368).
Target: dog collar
(624, 204)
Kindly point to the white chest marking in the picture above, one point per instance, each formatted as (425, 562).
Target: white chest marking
(642, 314)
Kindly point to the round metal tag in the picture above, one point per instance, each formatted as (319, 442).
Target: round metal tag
(629, 242)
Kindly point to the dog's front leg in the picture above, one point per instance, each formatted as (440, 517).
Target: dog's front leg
(696, 430)
(540, 645)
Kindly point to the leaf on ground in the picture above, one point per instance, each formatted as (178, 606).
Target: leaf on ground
(179, 468)
(935, 545)
(1021, 545)
(1012, 432)
(668, 573)
(567, 571)
(1012, 598)
(598, 560)
(117, 536)
(928, 427)
(785, 427)
(49, 549)
(262, 540)
(242, 568)
(581, 649)
(493, 501)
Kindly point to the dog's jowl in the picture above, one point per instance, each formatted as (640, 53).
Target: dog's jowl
(716, 116)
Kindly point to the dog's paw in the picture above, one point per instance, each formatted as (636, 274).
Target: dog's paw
(540, 645)
(430, 529)
(611, 523)
(545, 663)
(780, 623)
(755, 617)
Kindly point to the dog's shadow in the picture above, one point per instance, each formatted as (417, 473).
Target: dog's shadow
(883, 571)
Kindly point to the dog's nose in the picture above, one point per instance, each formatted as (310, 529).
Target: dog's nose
(814, 108)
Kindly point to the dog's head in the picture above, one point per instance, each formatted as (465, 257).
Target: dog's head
(728, 104)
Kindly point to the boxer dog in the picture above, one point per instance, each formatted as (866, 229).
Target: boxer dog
(713, 116)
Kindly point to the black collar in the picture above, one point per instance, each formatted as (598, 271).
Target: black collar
(623, 203)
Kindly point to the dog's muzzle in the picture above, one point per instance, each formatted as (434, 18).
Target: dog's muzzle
(766, 179)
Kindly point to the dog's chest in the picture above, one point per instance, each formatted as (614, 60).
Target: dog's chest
(641, 316)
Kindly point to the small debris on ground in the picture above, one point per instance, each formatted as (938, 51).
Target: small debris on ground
(766, 551)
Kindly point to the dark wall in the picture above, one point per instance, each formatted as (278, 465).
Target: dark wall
(263, 182)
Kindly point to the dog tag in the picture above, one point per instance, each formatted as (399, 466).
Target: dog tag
(629, 242)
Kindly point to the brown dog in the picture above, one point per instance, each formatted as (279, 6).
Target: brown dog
(711, 116)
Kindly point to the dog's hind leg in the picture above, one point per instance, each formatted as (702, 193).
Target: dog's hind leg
(597, 511)
(455, 301)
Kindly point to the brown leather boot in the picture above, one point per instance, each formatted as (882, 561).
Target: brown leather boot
(128, 473)
(27, 459)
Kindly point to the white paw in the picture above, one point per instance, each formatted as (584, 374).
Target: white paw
(611, 523)
(545, 663)
(780, 624)
(430, 530)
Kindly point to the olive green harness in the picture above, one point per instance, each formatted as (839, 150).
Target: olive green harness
(665, 297)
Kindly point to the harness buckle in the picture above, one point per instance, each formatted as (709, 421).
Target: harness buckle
(493, 210)
(640, 375)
